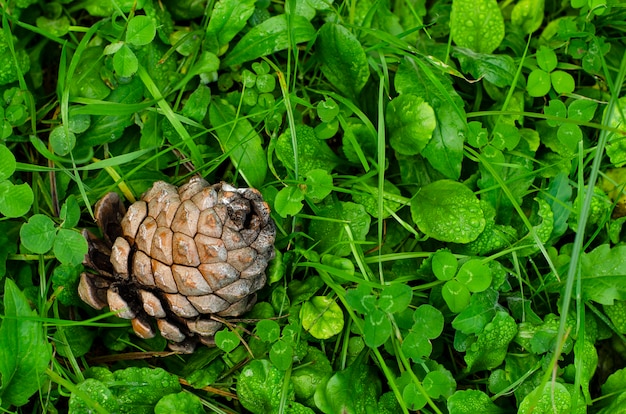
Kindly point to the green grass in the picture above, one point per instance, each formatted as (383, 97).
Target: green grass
(422, 164)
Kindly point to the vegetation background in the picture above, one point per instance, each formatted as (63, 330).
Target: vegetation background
(447, 178)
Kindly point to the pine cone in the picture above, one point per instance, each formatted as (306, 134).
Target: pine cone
(178, 256)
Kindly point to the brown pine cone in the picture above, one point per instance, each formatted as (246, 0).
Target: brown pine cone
(178, 256)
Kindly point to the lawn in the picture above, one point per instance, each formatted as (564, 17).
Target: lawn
(446, 180)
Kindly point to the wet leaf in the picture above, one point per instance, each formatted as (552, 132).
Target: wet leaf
(448, 211)
(411, 123)
(268, 37)
(343, 59)
(477, 24)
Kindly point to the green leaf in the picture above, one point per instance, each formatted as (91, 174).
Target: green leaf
(327, 110)
(377, 329)
(108, 128)
(492, 344)
(411, 123)
(238, 139)
(25, 352)
(428, 321)
(228, 18)
(198, 103)
(57, 27)
(313, 370)
(528, 14)
(539, 83)
(416, 346)
(481, 311)
(140, 31)
(448, 211)
(413, 397)
(70, 213)
(226, 340)
(505, 136)
(555, 108)
(369, 198)
(604, 274)
(456, 295)
(445, 149)
(341, 263)
(472, 402)
(268, 330)
(7, 163)
(70, 247)
(546, 58)
(569, 135)
(66, 277)
(444, 265)
(62, 140)
(322, 317)
(78, 123)
(477, 24)
(281, 355)
(73, 340)
(207, 63)
(353, 390)
(260, 387)
(395, 298)
(87, 81)
(361, 298)
(270, 36)
(318, 185)
(125, 62)
(438, 383)
(551, 397)
(97, 392)
(38, 234)
(15, 200)
(182, 402)
(288, 201)
(582, 110)
(615, 382)
(496, 69)
(562, 82)
(139, 389)
(475, 275)
(586, 359)
(302, 290)
(343, 59)
(616, 148)
(312, 153)
(332, 234)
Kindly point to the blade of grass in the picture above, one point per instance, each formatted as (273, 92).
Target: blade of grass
(167, 110)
